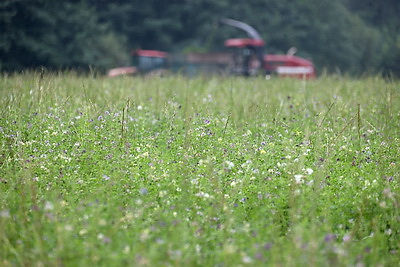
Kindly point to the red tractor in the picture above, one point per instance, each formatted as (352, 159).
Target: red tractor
(247, 58)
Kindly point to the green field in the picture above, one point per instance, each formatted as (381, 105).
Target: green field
(198, 172)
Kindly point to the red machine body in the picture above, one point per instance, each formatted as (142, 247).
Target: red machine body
(242, 43)
(289, 66)
(149, 53)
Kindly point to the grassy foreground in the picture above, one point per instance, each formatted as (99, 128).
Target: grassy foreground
(203, 172)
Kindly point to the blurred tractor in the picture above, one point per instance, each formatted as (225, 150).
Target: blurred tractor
(246, 58)
(249, 58)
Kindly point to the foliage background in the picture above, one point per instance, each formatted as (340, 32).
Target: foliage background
(351, 36)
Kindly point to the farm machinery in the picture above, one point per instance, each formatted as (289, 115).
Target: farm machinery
(246, 57)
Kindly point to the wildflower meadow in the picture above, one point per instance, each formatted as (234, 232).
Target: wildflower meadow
(212, 171)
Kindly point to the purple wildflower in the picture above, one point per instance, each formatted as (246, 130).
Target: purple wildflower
(329, 237)
(143, 191)
(267, 246)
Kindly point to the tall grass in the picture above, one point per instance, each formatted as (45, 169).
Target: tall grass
(200, 172)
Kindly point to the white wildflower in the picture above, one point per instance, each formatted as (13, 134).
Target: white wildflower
(5, 214)
(309, 171)
(48, 206)
(246, 259)
(298, 178)
(229, 164)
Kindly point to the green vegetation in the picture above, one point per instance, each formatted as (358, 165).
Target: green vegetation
(347, 36)
(204, 172)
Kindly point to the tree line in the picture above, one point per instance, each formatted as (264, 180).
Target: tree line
(348, 36)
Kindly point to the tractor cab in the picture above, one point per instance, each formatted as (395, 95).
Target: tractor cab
(143, 62)
(149, 60)
(247, 55)
(249, 58)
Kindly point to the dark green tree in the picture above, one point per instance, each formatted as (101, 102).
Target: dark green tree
(54, 34)
(354, 36)
(384, 16)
